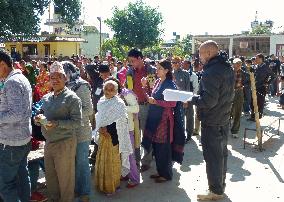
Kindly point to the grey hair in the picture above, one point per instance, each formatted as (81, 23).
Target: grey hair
(113, 83)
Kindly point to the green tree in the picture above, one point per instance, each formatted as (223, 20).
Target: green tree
(176, 50)
(154, 51)
(260, 29)
(117, 50)
(21, 18)
(187, 45)
(138, 25)
(181, 48)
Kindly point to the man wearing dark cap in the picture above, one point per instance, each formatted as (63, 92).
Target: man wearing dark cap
(104, 73)
(97, 92)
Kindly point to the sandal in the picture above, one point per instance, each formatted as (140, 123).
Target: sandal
(131, 185)
(160, 180)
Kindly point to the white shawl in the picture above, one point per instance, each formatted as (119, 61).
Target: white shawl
(114, 110)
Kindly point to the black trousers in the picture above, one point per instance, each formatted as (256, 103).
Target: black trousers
(214, 144)
(163, 157)
(260, 94)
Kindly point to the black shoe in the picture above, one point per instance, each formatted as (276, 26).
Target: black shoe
(251, 119)
(195, 134)
(187, 139)
(144, 168)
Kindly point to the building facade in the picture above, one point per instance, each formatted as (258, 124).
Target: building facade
(245, 45)
(277, 45)
(47, 48)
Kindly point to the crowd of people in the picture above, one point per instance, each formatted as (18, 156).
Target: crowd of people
(119, 107)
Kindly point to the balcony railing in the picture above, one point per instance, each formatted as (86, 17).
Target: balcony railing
(59, 20)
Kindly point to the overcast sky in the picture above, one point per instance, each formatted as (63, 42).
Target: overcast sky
(196, 17)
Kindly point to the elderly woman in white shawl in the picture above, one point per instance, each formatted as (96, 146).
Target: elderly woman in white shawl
(112, 159)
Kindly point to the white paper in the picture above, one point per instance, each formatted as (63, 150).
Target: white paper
(177, 95)
(98, 91)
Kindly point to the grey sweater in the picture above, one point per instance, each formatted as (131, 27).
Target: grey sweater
(15, 110)
(66, 110)
(84, 133)
(182, 79)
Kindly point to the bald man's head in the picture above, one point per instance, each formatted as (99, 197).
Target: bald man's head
(208, 50)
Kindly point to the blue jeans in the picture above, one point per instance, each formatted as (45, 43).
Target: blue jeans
(82, 169)
(247, 99)
(273, 87)
(33, 167)
(14, 178)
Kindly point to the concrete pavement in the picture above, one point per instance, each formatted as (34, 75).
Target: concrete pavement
(252, 175)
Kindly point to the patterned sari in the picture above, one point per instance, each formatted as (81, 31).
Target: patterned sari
(42, 86)
(108, 165)
(114, 146)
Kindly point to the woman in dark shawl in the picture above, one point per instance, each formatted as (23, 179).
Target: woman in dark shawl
(164, 127)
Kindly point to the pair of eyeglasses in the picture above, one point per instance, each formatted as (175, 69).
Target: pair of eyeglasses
(174, 62)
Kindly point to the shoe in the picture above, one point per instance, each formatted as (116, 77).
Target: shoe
(144, 168)
(37, 197)
(235, 135)
(131, 185)
(195, 134)
(84, 198)
(247, 114)
(160, 180)
(154, 176)
(251, 119)
(209, 197)
(187, 139)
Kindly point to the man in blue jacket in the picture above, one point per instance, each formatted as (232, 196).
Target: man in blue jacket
(15, 131)
(214, 105)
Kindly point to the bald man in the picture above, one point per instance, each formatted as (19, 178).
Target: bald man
(214, 105)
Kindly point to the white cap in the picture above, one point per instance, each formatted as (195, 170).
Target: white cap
(57, 67)
(236, 60)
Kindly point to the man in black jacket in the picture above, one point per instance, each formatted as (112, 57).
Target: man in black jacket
(214, 105)
(263, 77)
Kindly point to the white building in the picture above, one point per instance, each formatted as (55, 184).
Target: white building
(91, 47)
(277, 45)
(89, 35)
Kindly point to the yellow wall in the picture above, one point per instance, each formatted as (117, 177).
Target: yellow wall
(56, 48)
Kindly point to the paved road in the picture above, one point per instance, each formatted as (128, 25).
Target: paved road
(252, 175)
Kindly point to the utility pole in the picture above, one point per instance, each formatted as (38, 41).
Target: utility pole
(100, 19)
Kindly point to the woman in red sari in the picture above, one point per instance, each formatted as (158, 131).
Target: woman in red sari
(42, 83)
